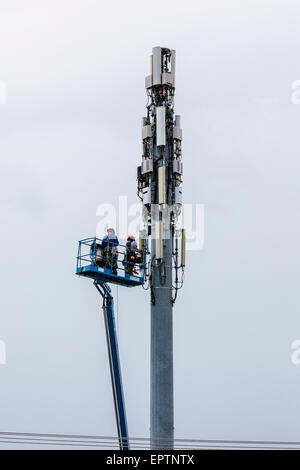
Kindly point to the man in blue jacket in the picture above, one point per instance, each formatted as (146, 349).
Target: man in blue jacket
(109, 244)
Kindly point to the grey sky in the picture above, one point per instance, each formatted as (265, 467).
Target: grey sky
(75, 80)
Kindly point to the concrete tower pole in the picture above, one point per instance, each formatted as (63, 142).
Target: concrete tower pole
(159, 180)
(161, 393)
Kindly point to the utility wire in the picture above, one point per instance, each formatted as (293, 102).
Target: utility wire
(113, 442)
(81, 436)
(135, 447)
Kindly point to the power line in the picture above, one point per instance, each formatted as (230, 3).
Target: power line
(142, 442)
(135, 447)
(92, 437)
(28, 442)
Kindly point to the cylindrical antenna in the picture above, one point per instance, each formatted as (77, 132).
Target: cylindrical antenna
(183, 247)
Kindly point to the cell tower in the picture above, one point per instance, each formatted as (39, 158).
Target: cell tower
(159, 187)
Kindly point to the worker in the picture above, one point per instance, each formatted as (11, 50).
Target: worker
(110, 239)
(130, 256)
(109, 248)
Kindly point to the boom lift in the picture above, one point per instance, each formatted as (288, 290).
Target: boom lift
(103, 268)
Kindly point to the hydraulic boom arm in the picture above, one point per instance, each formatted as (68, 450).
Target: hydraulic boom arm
(114, 362)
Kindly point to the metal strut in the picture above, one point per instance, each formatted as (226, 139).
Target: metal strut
(114, 363)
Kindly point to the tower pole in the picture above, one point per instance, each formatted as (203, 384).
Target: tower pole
(161, 392)
(159, 180)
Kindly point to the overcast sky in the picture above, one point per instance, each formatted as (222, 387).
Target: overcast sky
(70, 140)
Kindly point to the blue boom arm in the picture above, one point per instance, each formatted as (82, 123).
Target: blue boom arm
(114, 362)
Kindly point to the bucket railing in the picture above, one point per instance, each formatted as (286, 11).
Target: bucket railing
(111, 257)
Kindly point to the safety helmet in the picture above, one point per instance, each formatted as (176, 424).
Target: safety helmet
(131, 237)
